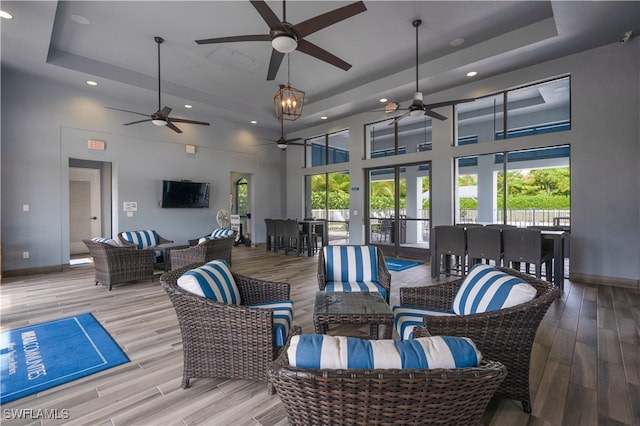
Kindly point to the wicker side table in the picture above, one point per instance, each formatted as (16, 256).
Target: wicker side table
(352, 308)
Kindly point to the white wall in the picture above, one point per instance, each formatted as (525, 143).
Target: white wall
(44, 124)
(605, 158)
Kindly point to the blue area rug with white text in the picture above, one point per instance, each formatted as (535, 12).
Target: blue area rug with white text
(41, 356)
(400, 265)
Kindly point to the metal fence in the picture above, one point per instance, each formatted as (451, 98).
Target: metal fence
(524, 217)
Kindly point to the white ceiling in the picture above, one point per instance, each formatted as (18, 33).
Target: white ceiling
(229, 80)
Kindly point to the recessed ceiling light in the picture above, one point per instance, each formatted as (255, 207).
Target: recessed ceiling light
(254, 122)
(324, 117)
(383, 100)
(187, 106)
(472, 73)
(79, 19)
(92, 83)
(5, 15)
(456, 42)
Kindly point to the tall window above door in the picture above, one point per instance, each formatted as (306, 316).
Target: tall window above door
(330, 148)
(526, 111)
(388, 138)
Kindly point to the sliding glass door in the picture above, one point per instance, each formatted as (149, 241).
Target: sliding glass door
(398, 210)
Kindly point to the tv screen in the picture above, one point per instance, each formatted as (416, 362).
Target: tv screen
(185, 194)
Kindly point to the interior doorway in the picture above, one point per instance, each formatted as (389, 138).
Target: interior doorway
(84, 207)
(240, 204)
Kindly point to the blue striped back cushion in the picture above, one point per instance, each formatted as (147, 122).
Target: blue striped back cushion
(109, 241)
(282, 318)
(350, 263)
(319, 351)
(487, 289)
(212, 280)
(142, 239)
(221, 233)
(405, 318)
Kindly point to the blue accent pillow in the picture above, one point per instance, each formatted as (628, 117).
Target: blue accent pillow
(488, 289)
(143, 239)
(221, 233)
(212, 280)
(109, 241)
(319, 351)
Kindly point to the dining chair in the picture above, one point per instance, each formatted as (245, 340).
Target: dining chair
(451, 241)
(524, 245)
(271, 233)
(484, 243)
(280, 231)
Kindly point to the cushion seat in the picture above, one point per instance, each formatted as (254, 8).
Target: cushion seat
(405, 318)
(356, 286)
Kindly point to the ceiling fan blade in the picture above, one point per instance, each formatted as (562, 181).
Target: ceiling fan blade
(274, 64)
(164, 112)
(184, 120)
(319, 22)
(136, 122)
(125, 110)
(173, 127)
(317, 52)
(435, 115)
(256, 37)
(296, 143)
(267, 14)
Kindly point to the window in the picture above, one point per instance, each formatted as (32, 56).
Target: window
(386, 138)
(332, 148)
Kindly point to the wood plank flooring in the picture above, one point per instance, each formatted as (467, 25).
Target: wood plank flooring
(585, 363)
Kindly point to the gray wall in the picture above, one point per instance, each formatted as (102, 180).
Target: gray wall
(605, 158)
(44, 124)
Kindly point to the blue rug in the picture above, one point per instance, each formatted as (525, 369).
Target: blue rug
(42, 356)
(400, 265)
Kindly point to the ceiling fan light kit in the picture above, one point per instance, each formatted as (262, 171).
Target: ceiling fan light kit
(284, 44)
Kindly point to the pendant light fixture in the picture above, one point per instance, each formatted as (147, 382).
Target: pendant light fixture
(288, 101)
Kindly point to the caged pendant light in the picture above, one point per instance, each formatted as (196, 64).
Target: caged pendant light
(288, 101)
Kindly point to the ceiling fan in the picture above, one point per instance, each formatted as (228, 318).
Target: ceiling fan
(283, 142)
(418, 107)
(161, 116)
(285, 37)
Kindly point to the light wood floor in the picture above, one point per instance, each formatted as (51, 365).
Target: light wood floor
(585, 363)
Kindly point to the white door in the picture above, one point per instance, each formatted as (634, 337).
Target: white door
(84, 207)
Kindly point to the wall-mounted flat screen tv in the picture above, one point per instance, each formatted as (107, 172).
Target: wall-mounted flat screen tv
(185, 194)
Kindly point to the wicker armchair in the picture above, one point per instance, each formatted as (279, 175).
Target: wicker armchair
(226, 341)
(384, 276)
(382, 397)
(219, 248)
(115, 265)
(505, 335)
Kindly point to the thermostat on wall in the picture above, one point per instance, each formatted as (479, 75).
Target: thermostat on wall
(130, 206)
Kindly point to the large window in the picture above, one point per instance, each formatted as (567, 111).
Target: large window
(531, 110)
(390, 137)
(328, 198)
(531, 188)
(331, 148)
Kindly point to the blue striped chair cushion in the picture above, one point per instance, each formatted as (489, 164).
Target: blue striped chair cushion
(109, 241)
(488, 289)
(320, 351)
(212, 280)
(405, 318)
(350, 263)
(282, 318)
(142, 239)
(356, 286)
(221, 233)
